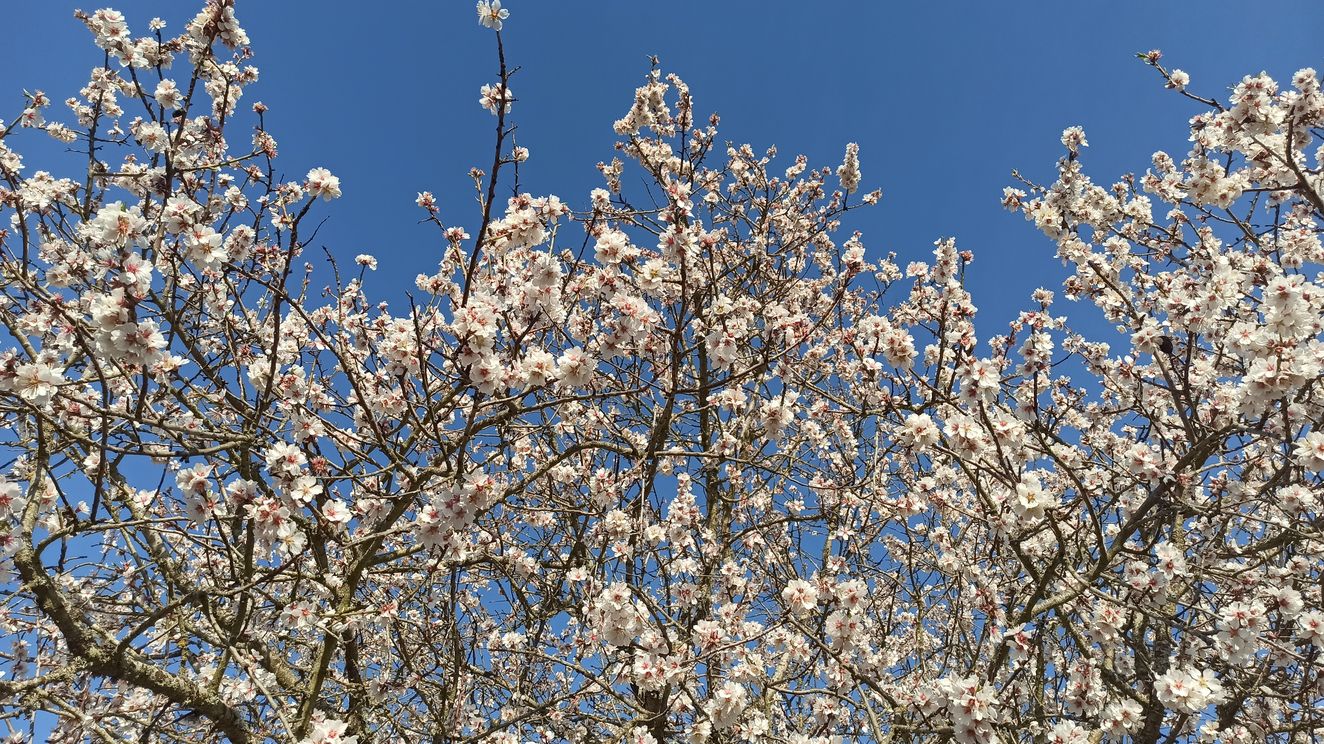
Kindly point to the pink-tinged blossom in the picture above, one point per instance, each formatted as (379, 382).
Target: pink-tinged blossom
(37, 382)
(800, 597)
(653, 671)
(204, 247)
(1122, 718)
(11, 498)
(337, 512)
(575, 367)
(304, 489)
(492, 97)
(726, 705)
(168, 94)
(538, 367)
(849, 170)
(109, 28)
(615, 616)
(42, 191)
(1068, 732)
(116, 225)
(329, 731)
(31, 117)
(613, 247)
(300, 615)
(919, 431)
(971, 706)
(1073, 138)
(1031, 499)
(285, 459)
(1309, 451)
(1311, 625)
(491, 14)
(844, 629)
(321, 183)
(1188, 690)
(640, 735)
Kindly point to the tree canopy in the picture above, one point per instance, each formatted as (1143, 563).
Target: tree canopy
(683, 462)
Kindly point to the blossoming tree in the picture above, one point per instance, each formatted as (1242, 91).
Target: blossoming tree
(690, 465)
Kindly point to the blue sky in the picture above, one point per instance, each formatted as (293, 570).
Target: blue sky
(945, 99)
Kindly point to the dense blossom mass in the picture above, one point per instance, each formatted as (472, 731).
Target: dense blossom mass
(686, 465)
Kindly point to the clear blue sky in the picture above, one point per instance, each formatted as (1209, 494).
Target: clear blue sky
(945, 98)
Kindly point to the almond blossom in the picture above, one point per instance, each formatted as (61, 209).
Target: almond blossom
(682, 458)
